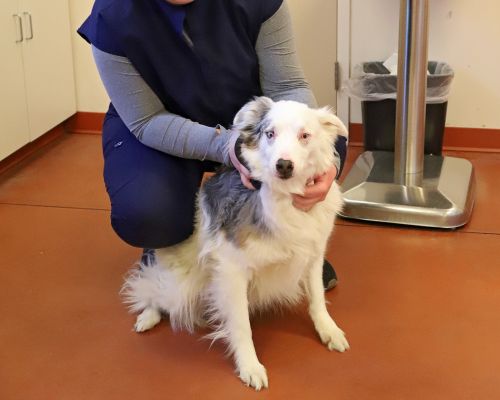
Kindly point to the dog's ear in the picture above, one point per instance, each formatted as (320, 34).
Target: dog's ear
(330, 121)
(250, 118)
(253, 111)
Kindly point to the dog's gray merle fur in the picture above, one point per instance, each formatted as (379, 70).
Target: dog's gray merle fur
(254, 116)
(231, 206)
(228, 203)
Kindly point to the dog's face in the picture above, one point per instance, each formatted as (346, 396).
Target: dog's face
(286, 143)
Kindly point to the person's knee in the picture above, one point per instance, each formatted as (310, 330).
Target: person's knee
(150, 226)
(152, 193)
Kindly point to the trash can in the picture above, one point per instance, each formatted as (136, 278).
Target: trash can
(373, 84)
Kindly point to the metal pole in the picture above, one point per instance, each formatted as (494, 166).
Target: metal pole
(412, 86)
(443, 197)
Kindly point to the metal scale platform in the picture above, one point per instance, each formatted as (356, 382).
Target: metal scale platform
(408, 187)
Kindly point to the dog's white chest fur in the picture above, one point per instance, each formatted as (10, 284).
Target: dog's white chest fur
(275, 262)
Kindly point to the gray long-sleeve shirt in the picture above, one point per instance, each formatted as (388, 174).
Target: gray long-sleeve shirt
(281, 78)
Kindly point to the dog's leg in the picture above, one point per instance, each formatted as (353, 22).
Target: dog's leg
(331, 335)
(230, 304)
(147, 319)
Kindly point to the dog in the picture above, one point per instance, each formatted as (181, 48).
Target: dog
(251, 250)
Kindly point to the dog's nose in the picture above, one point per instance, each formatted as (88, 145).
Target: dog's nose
(284, 168)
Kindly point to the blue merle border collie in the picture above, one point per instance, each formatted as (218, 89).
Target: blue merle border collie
(251, 249)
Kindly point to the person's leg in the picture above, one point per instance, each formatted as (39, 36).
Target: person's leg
(152, 193)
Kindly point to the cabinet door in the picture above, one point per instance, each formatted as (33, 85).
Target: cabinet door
(14, 129)
(48, 63)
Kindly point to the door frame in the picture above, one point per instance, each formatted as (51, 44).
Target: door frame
(343, 58)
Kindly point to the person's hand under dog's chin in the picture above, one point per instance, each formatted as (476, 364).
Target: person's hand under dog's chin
(316, 191)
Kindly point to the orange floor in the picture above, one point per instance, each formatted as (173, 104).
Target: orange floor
(421, 307)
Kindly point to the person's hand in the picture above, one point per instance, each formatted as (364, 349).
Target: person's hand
(234, 151)
(316, 190)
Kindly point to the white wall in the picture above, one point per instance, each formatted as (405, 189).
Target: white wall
(318, 61)
(90, 94)
(463, 33)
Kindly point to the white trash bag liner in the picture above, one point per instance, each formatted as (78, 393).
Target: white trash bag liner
(372, 81)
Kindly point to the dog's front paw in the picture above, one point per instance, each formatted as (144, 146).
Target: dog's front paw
(336, 341)
(147, 319)
(332, 336)
(254, 375)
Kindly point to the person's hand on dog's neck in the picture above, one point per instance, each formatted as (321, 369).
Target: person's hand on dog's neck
(234, 150)
(315, 191)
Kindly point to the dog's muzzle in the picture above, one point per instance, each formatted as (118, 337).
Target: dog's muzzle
(284, 168)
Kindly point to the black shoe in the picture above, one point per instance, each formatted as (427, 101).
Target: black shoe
(148, 257)
(329, 276)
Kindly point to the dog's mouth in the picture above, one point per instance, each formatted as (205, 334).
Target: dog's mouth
(284, 175)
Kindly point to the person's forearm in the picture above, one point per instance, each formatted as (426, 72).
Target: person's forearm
(146, 117)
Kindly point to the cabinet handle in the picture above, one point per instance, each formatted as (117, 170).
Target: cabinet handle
(20, 28)
(30, 24)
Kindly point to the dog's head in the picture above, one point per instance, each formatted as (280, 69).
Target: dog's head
(285, 143)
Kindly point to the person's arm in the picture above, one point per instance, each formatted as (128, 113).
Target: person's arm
(281, 75)
(282, 78)
(146, 117)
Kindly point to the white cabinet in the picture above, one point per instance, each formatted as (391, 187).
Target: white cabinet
(14, 128)
(37, 90)
(48, 64)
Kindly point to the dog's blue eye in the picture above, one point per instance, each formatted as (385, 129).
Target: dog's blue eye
(269, 134)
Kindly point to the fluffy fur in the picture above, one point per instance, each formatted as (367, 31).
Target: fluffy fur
(251, 250)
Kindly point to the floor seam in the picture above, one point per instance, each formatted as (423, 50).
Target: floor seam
(338, 224)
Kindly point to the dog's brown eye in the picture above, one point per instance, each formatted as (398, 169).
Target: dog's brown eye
(269, 134)
(304, 135)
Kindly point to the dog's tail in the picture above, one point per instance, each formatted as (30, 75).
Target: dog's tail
(172, 284)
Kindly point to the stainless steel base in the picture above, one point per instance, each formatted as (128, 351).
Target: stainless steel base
(444, 198)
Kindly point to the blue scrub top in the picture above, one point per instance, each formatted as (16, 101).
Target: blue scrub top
(207, 82)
